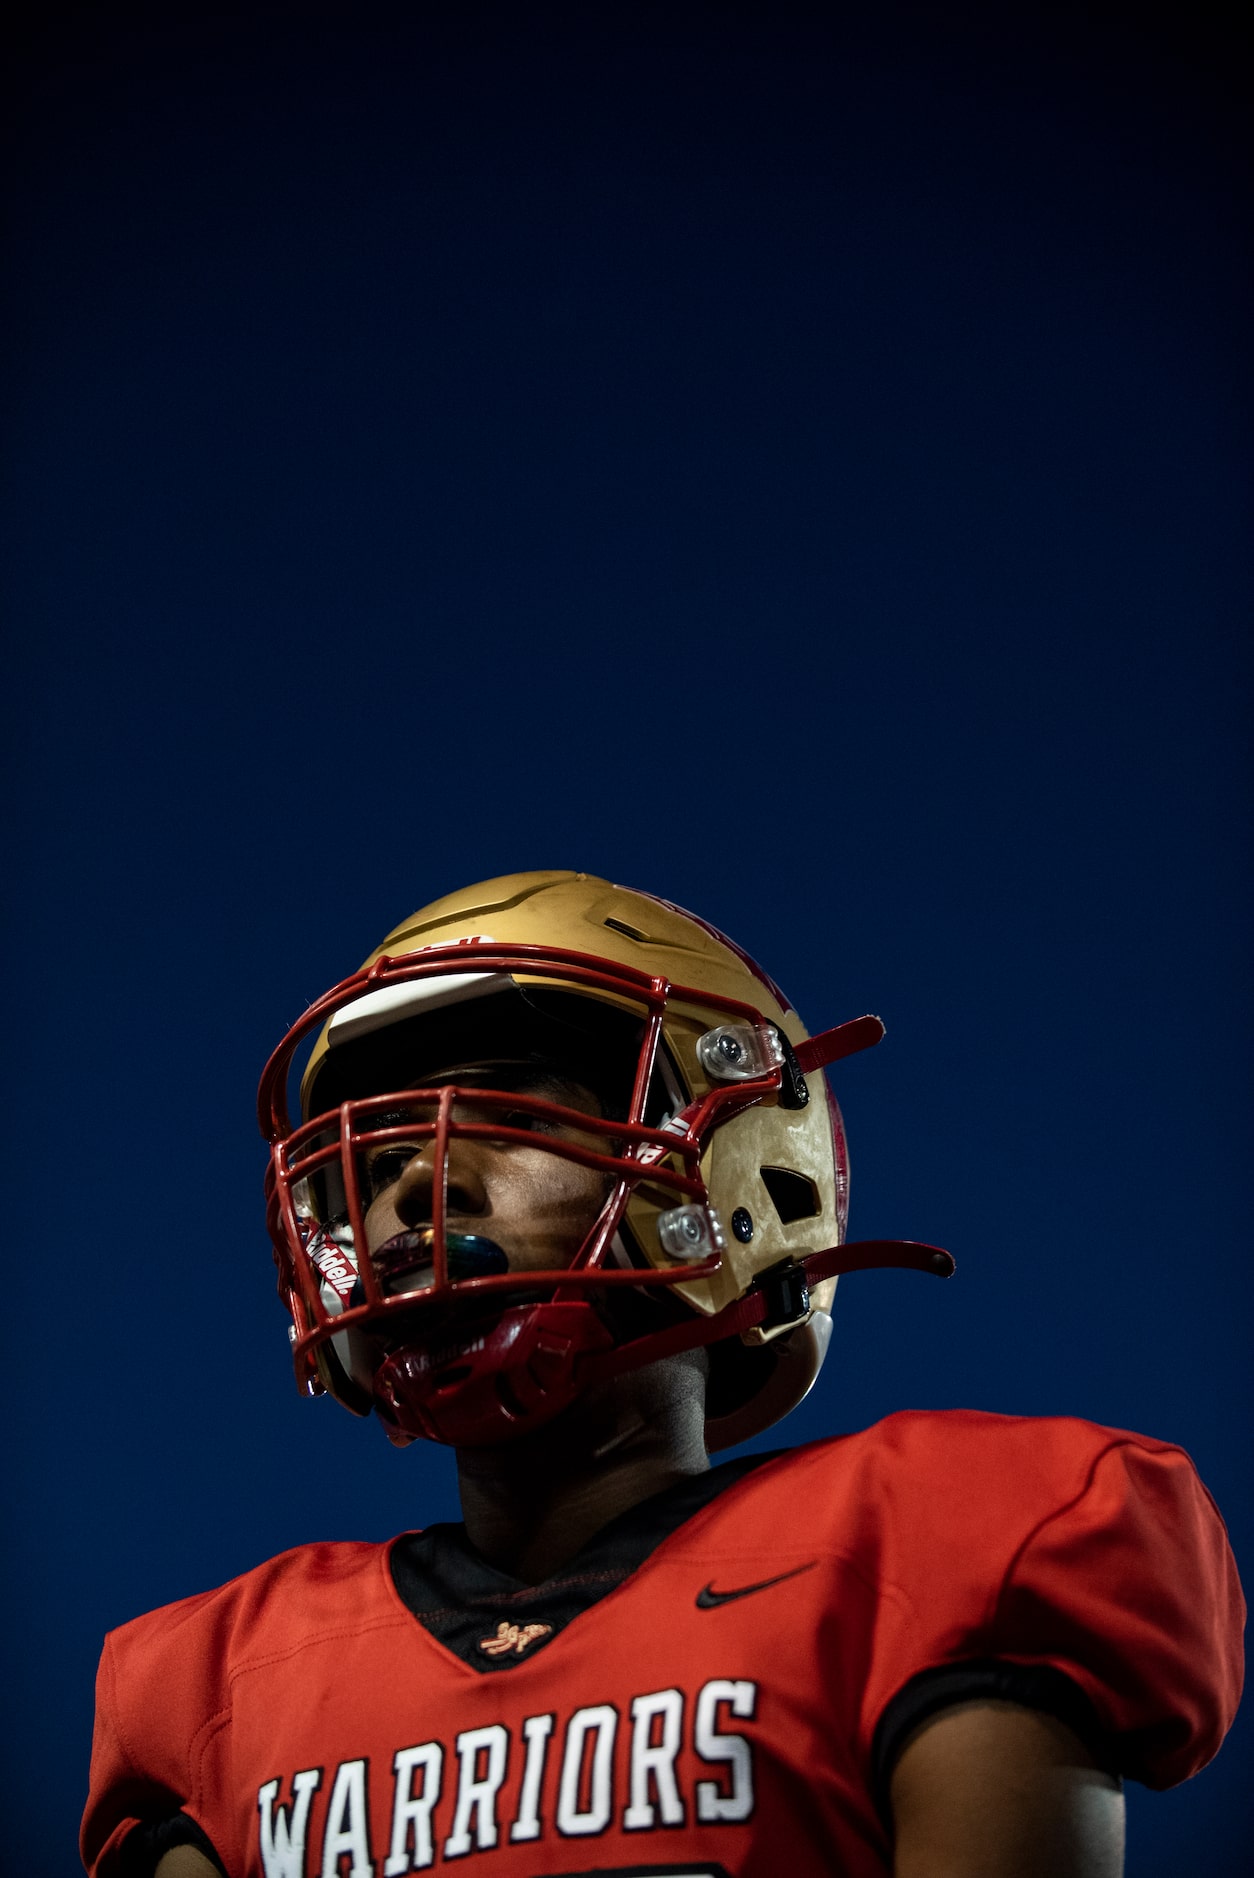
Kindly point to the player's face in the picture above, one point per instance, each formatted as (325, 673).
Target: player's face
(533, 1204)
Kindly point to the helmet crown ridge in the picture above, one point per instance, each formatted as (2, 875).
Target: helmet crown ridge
(585, 913)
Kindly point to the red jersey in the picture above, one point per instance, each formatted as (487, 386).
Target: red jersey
(716, 1711)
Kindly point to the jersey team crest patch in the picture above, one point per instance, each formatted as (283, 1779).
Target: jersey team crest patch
(517, 1638)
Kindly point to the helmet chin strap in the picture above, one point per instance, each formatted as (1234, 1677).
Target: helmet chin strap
(781, 1296)
(533, 1361)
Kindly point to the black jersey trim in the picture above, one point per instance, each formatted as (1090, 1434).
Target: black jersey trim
(462, 1601)
(1030, 1685)
(146, 1845)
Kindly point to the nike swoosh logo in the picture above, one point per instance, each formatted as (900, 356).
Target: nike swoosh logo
(708, 1599)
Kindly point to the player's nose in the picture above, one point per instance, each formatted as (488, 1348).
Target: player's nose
(467, 1192)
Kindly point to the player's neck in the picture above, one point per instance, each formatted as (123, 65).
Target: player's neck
(529, 1506)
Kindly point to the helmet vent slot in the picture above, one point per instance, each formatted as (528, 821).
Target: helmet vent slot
(794, 1196)
(630, 932)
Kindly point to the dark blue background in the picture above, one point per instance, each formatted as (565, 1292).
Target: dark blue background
(795, 464)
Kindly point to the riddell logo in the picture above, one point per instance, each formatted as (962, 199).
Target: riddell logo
(337, 1271)
(441, 1355)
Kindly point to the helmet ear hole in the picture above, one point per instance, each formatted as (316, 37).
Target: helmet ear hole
(794, 1196)
(745, 1395)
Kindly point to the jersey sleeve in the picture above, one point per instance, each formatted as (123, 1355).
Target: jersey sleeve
(164, 1695)
(156, 1696)
(1087, 1551)
(1132, 1591)
(119, 1795)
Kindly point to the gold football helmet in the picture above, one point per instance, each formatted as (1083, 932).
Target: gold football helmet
(717, 1145)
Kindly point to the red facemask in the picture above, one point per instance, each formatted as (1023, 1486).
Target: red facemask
(475, 1353)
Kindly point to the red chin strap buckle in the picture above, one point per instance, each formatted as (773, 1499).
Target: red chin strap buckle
(479, 1386)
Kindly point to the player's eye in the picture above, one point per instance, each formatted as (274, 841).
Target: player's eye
(534, 1124)
(385, 1168)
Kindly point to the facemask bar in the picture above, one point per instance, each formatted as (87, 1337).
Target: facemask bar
(297, 1155)
(308, 1151)
(644, 1157)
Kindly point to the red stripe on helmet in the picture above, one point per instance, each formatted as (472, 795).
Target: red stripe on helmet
(746, 959)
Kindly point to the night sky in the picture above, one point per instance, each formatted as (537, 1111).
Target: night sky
(792, 462)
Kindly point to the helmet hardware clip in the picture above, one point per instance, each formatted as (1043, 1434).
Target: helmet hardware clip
(786, 1290)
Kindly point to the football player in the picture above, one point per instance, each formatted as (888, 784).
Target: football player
(563, 1186)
